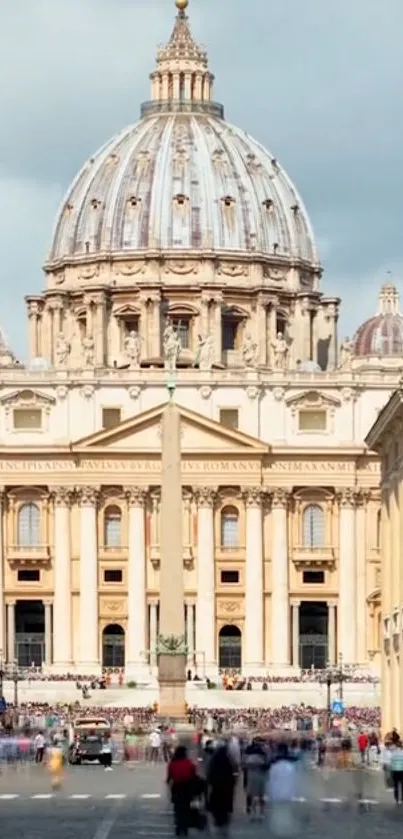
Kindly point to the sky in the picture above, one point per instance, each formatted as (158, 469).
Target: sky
(317, 82)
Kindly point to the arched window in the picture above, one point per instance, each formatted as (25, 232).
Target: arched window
(28, 525)
(229, 527)
(313, 526)
(113, 527)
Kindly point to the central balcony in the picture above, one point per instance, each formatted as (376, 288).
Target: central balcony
(28, 554)
(309, 557)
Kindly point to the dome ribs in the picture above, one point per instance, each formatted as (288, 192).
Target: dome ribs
(202, 158)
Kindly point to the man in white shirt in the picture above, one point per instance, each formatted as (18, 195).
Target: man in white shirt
(39, 744)
(155, 743)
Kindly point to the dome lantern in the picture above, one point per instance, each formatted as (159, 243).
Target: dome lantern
(182, 80)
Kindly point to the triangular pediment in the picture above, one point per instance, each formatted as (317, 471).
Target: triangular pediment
(143, 433)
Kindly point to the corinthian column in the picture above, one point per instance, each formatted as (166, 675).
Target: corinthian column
(205, 605)
(254, 583)
(62, 636)
(136, 581)
(347, 624)
(89, 646)
(280, 610)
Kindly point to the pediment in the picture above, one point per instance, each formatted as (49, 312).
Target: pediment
(126, 310)
(199, 435)
(27, 398)
(312, 399)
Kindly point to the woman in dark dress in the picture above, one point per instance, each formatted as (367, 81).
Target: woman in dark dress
(181, 778)
(221, 779)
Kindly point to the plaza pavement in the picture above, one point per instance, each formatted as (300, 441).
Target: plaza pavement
(132, 802)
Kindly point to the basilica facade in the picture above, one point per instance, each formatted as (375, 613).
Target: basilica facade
(182, 249)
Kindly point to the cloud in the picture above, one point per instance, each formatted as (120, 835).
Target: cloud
(317, 83)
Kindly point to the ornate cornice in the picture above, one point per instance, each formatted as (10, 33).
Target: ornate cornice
(348, 497)
(253, 496)
(87, 495)
(280, 498)
(205, 496)
(136, 496)
(61, 495)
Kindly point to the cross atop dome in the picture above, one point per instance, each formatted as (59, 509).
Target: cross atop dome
(182, 80)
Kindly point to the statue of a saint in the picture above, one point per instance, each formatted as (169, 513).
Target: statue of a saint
(171, 347)
(88, 351)
(62, 350)
(346, 354)
(133, 349)
(280, 352)
(205, 352)
(249, 351)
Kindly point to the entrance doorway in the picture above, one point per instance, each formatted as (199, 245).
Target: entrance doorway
(113, 646)
(30, 633)
(230, 648)
(313, 635)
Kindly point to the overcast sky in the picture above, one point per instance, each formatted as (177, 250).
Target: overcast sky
(318, 82)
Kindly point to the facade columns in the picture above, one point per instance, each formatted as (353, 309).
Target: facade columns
(295, 633)
(190, 630)
(331, 633)
(136, 580)
(361, 587)
(153, 633)
(48, 632)
(10, 631)
(347, 577)
(62, 628)
(89, 644)
(253, 643)
(205, 606)
(280, 622)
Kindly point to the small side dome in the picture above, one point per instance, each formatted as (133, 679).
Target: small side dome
(382, 335)
(39, 365)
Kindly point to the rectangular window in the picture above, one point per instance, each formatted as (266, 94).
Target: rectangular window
(313, 577)
(312, 420)
(229, 577)
(181, 327)
(27, 419)
(229, 334)
(229, 417)
(113, 575)
(110, 417)
(29, 575)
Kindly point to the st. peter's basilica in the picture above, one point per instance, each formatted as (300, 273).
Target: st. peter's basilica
(183, 247)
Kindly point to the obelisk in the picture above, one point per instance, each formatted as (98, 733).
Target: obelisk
(171, 646)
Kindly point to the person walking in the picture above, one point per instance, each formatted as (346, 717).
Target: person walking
(396, 768)
(221, 780)
(106, 754)
(181, 779)
(255, 765)
(281, 790)
(39, 745)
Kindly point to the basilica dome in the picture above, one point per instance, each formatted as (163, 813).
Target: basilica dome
(182, 178)
(382, 335)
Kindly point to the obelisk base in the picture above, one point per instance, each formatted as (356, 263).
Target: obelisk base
(172, 685)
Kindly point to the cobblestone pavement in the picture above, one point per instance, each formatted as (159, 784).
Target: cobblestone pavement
(132, 803)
